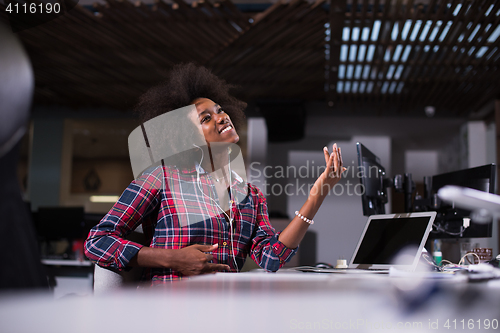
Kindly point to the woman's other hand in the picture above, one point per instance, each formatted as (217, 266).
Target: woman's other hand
(190, 260)
(193, 260)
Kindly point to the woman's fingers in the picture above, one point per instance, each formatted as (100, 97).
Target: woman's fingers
(334, 162)
(212, 268)
(335, 153)
(328, 158)
(329, 163)
(340, 157)
(341, 167)
(326, 153)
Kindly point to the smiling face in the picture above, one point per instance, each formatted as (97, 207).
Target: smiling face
(215, 123)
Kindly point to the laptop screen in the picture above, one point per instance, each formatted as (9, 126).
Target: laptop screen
(385, 236)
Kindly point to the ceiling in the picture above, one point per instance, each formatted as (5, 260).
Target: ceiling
(360, 57)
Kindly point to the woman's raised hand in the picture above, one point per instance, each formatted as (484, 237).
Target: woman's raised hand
(332, 174)
(295, 231)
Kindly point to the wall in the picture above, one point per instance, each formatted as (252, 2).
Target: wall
(491, 143)
(95, 149)
(52, 173)
(257, 151)
(421, 163)
(45, 162)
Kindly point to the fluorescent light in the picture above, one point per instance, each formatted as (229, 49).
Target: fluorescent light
(104, 198)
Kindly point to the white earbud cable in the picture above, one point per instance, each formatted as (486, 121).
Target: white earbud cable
(230, 219)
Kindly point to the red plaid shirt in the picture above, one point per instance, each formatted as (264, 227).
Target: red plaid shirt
(176, 210)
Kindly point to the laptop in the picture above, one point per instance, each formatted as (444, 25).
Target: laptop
(392, 240)
(388, 240)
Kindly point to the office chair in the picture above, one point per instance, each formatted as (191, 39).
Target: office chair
(110, 279)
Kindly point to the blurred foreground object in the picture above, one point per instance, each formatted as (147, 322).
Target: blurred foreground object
(19, 255)
(484, 206)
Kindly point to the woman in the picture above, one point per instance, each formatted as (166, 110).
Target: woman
(198, 215)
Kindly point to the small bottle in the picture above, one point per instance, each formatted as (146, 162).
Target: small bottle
(341, 263)
(437, 255)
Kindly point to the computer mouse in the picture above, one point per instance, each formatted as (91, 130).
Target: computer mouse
(323, 265)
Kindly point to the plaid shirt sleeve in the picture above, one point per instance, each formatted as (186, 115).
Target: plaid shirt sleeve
(106, 244)
(266, 250)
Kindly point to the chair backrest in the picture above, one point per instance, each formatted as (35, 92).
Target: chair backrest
(109, 279)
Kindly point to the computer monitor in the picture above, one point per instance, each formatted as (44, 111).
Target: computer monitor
(450, 221)
(55, 223)
(374, 181)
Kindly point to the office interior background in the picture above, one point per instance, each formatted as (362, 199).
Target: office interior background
(416, 81)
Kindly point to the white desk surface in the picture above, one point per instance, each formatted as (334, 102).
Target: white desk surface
(265, 302)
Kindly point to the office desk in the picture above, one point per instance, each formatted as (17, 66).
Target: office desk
(267, 302)
(70, 276)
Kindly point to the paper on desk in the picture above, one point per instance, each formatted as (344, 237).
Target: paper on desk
(337, 270)
(394, 272)
(483, 271)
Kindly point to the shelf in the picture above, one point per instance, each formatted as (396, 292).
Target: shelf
(65, 262)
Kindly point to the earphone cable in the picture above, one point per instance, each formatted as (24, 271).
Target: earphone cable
(230, 218)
